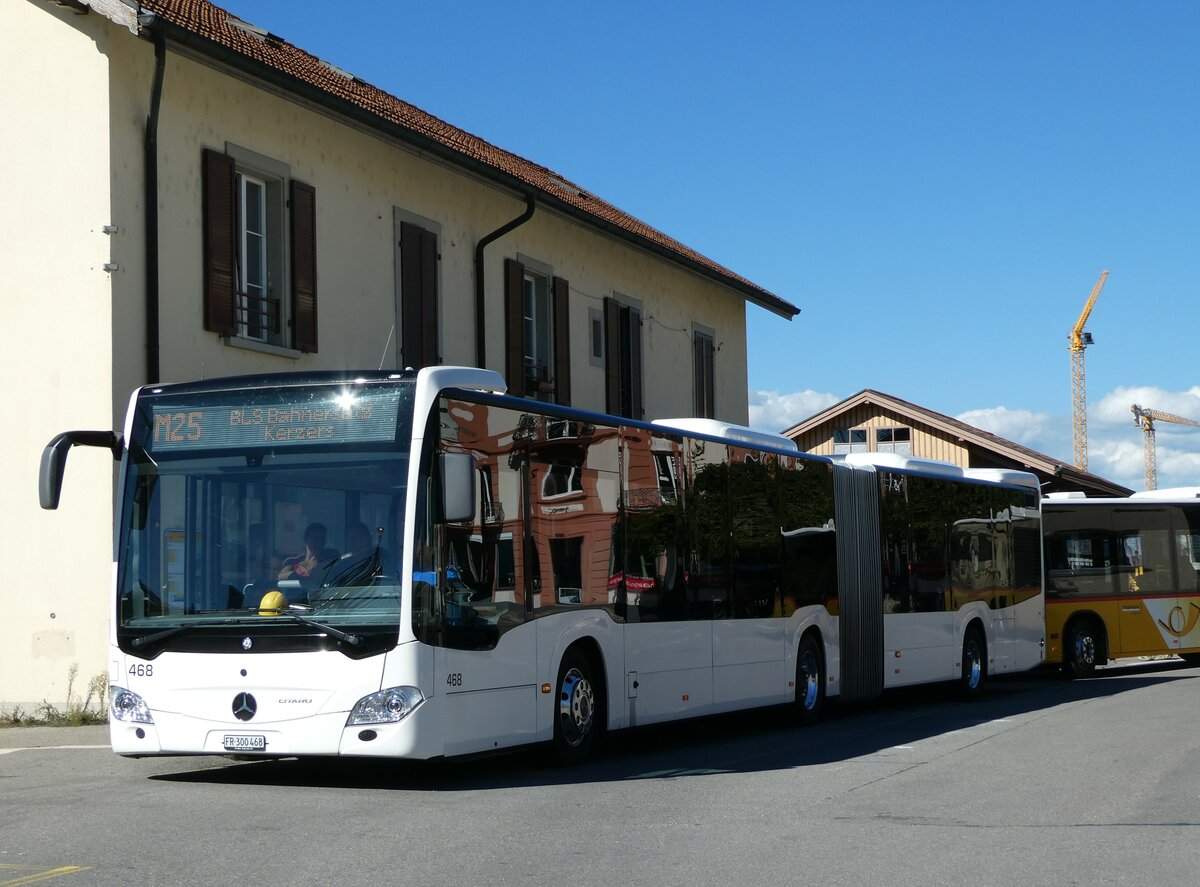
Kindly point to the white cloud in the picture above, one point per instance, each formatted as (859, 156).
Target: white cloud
(1030, 429)
(772, 411)
(1114, 407)
(1116, 446)
(1116, 449)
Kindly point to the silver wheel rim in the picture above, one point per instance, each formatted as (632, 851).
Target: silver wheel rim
(812, 679)
(1085, 648)
(974, 664)
(576, 707)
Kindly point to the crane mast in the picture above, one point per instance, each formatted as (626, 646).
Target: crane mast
(1079, 341)
(1144, 418)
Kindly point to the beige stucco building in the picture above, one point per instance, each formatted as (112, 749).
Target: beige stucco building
(198, 197)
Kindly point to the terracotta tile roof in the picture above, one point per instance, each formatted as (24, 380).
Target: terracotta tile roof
(232, 40)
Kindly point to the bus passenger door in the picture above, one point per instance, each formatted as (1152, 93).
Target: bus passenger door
(666, 590)
(1150, 614)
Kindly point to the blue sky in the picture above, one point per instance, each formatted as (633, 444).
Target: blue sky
(936, 185)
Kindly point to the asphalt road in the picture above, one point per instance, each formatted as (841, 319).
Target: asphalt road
(1043, 781)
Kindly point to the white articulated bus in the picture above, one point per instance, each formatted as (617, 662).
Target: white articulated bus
(416, 565)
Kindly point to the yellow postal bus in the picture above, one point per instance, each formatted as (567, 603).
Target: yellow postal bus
(1122, 577)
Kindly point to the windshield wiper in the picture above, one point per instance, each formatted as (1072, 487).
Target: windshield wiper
(148, 639)
(352, 639)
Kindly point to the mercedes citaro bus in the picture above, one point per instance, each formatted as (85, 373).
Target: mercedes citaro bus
(530, 573)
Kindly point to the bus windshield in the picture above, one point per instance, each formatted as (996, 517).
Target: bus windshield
(246, 504)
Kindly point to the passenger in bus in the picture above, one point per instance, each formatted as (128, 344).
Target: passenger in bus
(316, 554)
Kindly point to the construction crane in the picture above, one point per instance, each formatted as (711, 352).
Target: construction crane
(1079, 341)
(1144, 418)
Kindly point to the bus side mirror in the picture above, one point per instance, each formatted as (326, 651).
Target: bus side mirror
(457, 473)
(54, 460)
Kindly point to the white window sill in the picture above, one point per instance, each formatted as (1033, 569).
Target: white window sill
(262, 347)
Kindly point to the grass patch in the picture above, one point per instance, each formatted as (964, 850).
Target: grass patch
(92, 708)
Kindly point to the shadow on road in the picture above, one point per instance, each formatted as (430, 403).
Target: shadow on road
(744, 742)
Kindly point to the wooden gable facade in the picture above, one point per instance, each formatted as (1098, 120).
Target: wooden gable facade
(871, 421)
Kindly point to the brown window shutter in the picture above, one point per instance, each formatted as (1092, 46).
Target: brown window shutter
(514, 326)
(220, 242)
(635, 363)
(703, 360)
(303, 200)
(429, 316)
(612, 357)
(418, 295)
(562, 343)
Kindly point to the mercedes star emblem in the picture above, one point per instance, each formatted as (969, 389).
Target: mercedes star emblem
(244, 706)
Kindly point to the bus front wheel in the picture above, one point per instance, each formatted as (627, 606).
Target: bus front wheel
(1081, 651)
(974, 663)
(576, 711)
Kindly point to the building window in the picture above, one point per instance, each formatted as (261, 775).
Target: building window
(623, 359)
(537, 341)
(259, 251)
(258, 314)
(704, 374)
(596, 338)
(538, 320)
(664, 466)
(894, 440)
(849, 440)
(562, 478)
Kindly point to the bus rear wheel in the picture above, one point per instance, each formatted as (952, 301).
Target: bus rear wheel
(974, 663)
(810, 681)
(577, 715)
(1081, 650)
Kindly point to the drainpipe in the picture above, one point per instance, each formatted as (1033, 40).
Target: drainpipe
(480, 345)
(150, 198)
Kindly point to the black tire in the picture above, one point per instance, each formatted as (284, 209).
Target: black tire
(810, 681)
(1190, 658)
(974, 663)
(1081, 651)
(578, 710)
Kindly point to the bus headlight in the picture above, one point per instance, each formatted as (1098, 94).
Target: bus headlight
(385, 707)
(128, 706)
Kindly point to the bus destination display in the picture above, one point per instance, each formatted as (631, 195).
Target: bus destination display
(330, 417)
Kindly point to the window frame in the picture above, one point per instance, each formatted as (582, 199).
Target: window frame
(856, 441)
(895, 436)
(273, 176)
(289, 319)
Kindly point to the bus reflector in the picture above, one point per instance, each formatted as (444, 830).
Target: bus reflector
(545, 688)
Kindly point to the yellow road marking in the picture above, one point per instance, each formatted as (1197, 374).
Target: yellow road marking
(40, 876)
